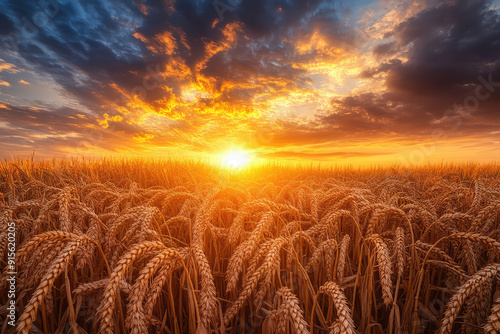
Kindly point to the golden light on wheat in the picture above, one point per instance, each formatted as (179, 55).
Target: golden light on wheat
(134, 247)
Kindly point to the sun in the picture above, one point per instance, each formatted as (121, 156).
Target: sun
(235, 158)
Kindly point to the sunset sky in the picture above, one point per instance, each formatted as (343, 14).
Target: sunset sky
(358, 82)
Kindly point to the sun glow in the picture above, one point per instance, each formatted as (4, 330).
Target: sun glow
(235, 158)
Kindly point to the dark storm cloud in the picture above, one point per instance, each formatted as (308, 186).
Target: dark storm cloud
(384, 49)
(6, 25)
(263, 19)
(382, 68)
(83, 46)
(449, 47)
(266, 18)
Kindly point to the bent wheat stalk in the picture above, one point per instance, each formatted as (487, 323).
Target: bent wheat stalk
(471, 287)
(107, 306)
(344, 324)
(385, 267)
(29, 315)
(291, 305)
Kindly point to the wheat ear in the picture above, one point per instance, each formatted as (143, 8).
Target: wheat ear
(136, 320)
(493, 322)
(473, 285)
(385, 268)
(208, 295)
(400, 251)
(106, 309)
(29, 315)
(344, 246)
(291, 304)
(344, 324)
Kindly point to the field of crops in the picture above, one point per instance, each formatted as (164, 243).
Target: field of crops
(170, 247)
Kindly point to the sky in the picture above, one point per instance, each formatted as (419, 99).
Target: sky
(344, 82)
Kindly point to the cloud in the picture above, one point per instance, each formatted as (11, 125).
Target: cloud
(6, 25)
(174, 75)
(238, 66)
(432, 63)
(448, 47)
(8, 67)
(142, 137)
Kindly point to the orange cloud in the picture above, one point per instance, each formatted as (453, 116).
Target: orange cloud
(319, 44)
(4, 66)
(142, 8)
(166, 42)
(104, 122)
(230, 33)
(142, 137)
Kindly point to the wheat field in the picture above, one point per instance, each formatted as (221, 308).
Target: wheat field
(185, 247)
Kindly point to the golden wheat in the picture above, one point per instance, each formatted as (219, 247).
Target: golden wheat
(146, 247)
